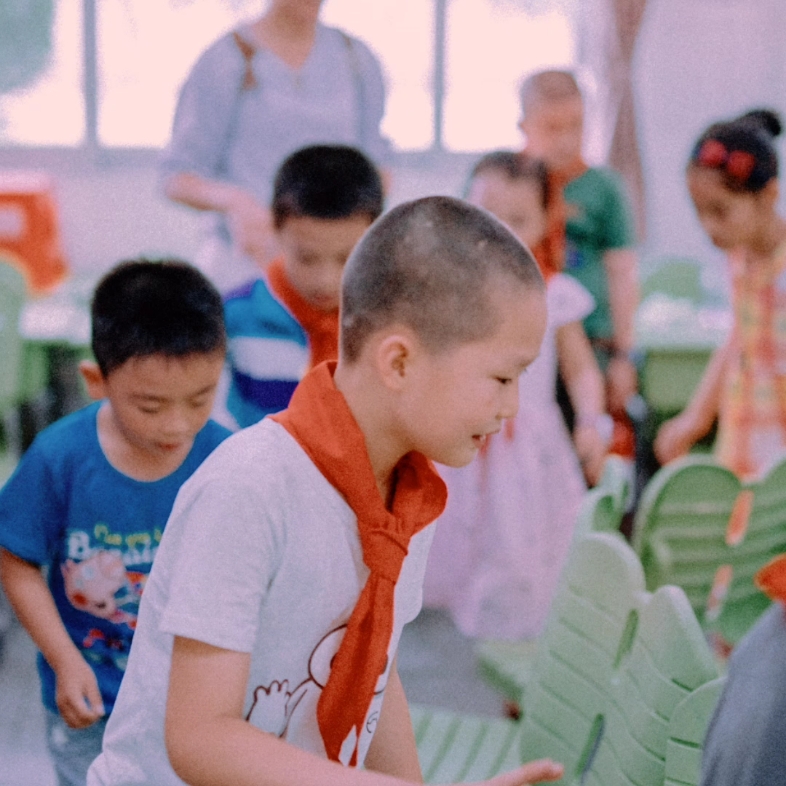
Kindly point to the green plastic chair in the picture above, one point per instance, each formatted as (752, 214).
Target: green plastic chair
(611, 671)
(677, 278)
(506, 665)
(687, 729)
(700, 528)
(12, 298)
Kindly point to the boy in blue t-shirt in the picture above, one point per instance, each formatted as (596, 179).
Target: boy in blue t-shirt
(90, 498)
(324, 198)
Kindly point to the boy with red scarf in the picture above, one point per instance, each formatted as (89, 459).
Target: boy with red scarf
(324, 198)
(266, 647)
(598, 232)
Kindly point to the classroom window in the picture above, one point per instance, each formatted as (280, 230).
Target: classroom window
(490, 46)
(464, 101)
(401, 32)
(145, 51)
(44, 104)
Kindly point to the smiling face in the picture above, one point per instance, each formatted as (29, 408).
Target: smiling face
(518, 203)
(554, 130)
(459, 396)
(156, 406)
(732, 219)
(315, 251)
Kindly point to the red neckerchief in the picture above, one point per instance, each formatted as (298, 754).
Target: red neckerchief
(771, 579)
(320, 420)
(549, 253)
(321, 326)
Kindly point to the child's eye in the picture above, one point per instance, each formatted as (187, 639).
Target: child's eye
(149, 410)
(504, 380)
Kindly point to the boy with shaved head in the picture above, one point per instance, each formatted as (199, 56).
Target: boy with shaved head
(266, 648)
(598, 231)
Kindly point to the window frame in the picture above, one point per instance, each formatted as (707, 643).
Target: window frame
(92, 154)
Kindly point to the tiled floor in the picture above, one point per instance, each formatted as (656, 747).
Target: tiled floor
(435, 661)
(23, 756)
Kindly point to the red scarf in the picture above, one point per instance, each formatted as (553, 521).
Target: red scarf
(771, 579)
(321, 326)
(320, 420)
(549, 253)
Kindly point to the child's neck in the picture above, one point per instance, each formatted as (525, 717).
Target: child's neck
(131, 459)
(773, 234)
(289, 36)
(384, 448)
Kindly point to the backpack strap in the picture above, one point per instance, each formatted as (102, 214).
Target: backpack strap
(248, 50)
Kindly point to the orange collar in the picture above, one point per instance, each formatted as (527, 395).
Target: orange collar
(320, 420)
(321, 326)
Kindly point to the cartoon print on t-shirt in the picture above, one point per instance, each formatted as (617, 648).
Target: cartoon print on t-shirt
(274, 705)
(101, 586)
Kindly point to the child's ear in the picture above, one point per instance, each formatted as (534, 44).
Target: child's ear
(94, 379)
(394, 355)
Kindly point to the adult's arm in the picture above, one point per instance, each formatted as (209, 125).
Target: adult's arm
(249, 223)
(191, 165)
(77, 695)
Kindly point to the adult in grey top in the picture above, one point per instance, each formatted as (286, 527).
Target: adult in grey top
(254, 96)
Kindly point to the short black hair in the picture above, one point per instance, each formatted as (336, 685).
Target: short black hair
(328, 182)
(428, 264)
(742, 150)
(148, 307)
(515, 166)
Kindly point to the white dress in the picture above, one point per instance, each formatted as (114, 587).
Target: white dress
(504, 536)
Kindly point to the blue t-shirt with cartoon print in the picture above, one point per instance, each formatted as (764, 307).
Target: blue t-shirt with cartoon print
(97, 531)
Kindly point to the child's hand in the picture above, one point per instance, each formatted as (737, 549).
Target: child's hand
(77, 695)
(621, 383)
(591, 449)
(533, 772)
(675, 438)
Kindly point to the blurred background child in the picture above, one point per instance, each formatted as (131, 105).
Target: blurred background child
(733, 181)
(509, 521)
(324, 199)
(598, 233)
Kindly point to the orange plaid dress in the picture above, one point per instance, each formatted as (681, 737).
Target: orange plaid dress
(752, 422)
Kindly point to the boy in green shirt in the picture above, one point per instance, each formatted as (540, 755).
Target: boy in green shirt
(598, 227)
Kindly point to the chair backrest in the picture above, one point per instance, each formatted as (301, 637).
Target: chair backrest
(702, 529)
(12, 298)
(679, 278)
(610, 670)
(687, 729)
(603, 507)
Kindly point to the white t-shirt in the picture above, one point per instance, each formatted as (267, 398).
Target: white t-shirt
(261, 555)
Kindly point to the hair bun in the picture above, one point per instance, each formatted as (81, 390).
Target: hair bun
(766, 119)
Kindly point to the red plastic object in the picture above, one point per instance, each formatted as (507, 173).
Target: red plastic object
(29, 231)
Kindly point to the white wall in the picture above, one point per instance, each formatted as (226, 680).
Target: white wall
(698, 61)
(115, 211)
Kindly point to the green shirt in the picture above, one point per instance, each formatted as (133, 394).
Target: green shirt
(599, 219)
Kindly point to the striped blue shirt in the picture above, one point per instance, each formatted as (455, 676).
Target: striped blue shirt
(268, 353)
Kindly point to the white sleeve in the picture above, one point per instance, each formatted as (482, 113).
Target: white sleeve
(228, 552)
(568, 300)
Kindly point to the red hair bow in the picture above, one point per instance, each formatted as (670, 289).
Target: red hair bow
(737, 163)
